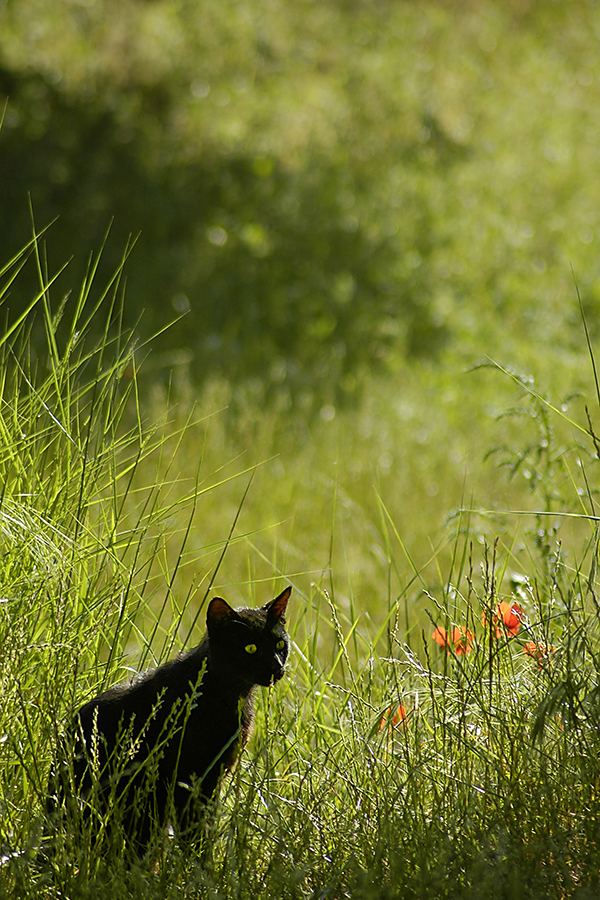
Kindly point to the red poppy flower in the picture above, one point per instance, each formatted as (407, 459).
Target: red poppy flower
(459, 639)
(394, 716)
(506, 619)
(541, 652)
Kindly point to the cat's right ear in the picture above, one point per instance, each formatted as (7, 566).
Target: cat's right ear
(218, 612)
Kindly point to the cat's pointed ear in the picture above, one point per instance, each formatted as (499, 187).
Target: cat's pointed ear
(276, 608)
(219, 612)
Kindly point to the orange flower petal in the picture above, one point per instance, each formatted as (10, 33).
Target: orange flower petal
(462, 640)
(459, 638)
(440, 636)
(512, 616)
(506, 618)
(540, 652)
(395, 715)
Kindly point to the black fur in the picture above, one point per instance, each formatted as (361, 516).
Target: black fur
(153, 751)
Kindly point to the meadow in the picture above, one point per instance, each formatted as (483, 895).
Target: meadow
(366, 368)
(437, 732)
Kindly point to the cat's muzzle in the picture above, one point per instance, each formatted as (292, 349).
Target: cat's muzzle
(276, 675)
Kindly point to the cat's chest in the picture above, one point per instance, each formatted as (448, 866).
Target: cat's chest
(217, 726)
(220, 712)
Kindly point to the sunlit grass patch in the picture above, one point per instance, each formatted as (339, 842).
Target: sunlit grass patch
(437, 731)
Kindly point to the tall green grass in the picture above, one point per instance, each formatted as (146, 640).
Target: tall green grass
(90, 552)
(385, 765)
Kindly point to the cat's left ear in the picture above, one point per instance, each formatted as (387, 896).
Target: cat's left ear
(276, 608)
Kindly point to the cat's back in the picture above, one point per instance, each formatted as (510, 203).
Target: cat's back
(146, 694)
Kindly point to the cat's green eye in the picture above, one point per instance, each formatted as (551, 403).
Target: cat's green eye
(250, 648)
(280, 645)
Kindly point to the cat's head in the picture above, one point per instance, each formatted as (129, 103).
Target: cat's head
(249, 645)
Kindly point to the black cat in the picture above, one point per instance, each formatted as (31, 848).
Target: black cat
(153, 751)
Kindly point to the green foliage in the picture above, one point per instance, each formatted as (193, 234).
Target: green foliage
(331, 192)
(385, 765)
(321, 187)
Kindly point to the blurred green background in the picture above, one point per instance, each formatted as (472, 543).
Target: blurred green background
(321, 188)
(344, 206)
